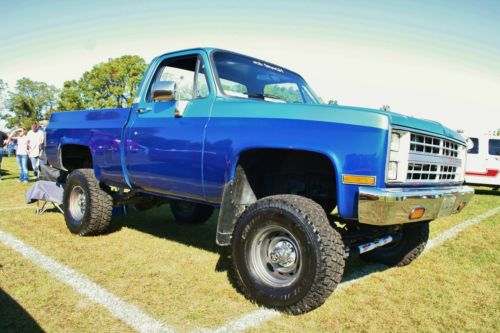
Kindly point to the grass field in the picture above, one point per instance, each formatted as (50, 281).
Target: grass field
(175, 274)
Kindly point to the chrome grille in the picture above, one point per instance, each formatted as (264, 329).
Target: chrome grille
(425, 144)
(430, 172)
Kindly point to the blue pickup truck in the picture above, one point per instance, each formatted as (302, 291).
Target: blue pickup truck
(300, 186)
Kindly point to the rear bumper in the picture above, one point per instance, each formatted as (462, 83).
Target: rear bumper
(389, 206)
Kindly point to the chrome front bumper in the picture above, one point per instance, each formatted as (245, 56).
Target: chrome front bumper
(388, 206)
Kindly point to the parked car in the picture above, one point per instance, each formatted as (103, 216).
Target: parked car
(483, 160)
(215, 129)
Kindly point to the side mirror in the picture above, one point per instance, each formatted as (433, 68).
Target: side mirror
(163, 91)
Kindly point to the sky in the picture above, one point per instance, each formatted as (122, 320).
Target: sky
(437, 60)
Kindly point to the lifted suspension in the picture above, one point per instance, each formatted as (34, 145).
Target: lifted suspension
(367, 247)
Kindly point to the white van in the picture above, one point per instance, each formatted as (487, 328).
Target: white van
(483, 161)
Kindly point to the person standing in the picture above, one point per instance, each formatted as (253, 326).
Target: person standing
(35, 139)
(22, 154)
(3, 142)
(42, 125)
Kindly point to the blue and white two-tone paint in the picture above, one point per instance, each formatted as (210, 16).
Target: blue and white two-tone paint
(228, 109)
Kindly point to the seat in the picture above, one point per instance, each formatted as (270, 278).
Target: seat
(44, 193)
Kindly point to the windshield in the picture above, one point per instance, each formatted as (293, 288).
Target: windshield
(245, 77)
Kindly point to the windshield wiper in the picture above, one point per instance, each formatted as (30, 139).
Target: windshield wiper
(264, 95)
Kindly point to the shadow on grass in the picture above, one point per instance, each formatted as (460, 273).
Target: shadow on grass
(160, 223)
(484, 191)
(14, 318)
(4, 173)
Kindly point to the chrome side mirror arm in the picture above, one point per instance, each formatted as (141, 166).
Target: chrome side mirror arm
(180, 107)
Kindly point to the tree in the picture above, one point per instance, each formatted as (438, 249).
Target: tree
(3, 88)
(71, 97)
(30, 101)
(112, 84)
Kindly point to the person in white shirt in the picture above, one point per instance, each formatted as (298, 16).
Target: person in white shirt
(21, 154)
(35, 139)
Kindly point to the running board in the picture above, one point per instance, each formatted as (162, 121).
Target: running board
(367, 247)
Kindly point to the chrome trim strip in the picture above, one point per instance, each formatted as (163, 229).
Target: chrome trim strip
(390, 206)
(434, 159)
(421, 131)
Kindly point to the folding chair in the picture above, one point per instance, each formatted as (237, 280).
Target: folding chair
(45, 192)
(41, 209)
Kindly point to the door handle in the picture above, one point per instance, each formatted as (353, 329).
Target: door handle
(143, 110)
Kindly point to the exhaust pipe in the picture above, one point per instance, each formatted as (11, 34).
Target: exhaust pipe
(367, 247)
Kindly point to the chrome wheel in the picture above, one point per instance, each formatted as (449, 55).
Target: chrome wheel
(77, 204)
(274, 255)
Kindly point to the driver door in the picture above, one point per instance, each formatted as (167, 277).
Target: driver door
(164, 139)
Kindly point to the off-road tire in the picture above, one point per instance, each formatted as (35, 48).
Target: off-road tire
(190, 212)
(321, 248)
(410, 245)
(98, 205)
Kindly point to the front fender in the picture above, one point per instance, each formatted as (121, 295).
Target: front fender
(352, 149)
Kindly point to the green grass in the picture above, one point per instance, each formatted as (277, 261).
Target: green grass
(175, 273)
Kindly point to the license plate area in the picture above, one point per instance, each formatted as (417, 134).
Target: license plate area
(447, 206)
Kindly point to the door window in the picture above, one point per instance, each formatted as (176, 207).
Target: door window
(494, 147)
(188, 73)
(475, 146)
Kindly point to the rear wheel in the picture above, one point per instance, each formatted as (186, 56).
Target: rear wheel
(409, 244)
(286, 255)
(87, 207)
(190, 212)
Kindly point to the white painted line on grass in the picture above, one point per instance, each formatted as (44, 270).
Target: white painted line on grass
(450, 233)
(251, 320)
(128, 313)
(13, 208)
(256, 318)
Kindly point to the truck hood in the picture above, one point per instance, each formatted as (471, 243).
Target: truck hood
(397, 119)
(335, 113)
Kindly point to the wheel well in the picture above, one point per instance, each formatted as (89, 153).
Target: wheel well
(76, 157)
(263, 172)
(284, 171)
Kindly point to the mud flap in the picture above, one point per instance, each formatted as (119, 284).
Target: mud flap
(237, 196)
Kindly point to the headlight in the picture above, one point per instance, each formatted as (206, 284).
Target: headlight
(392, 171)
(395, 141)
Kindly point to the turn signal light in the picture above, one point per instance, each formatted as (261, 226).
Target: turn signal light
(359, 180)
(417, 213)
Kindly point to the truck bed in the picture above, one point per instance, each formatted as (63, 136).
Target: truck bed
(101, 130)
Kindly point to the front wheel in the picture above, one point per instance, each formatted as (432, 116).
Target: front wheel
(409, 244)
(87, 207)
(286, 255)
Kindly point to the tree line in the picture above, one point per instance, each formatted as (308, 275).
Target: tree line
(112, 84)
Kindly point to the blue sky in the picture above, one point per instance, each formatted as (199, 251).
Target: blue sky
(433, 59)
